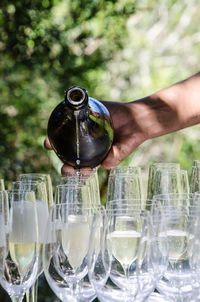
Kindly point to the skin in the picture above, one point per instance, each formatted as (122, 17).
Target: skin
(165, 111)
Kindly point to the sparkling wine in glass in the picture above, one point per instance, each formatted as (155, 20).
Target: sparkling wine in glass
(66, 250)
(41, 185)
(178, 279)
(20, 250)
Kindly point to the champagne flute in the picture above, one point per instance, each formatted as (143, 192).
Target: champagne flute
(65, 252)
(19, 252)
(39, 189)
(178, 278)
(77, 192)
(41, 185)
(125, 183)
(129, 239)
(46, 178)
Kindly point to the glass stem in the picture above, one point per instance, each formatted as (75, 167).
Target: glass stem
(16, 299)
(31, 294)
(126, 273)
(126, 270)
(74, 286)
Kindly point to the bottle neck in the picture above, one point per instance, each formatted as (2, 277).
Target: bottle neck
(76, 97)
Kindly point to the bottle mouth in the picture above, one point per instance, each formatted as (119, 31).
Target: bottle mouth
(76, 95)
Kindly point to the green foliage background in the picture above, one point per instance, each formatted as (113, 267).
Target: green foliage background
(119, 50)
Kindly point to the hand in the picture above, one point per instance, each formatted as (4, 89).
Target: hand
(128, 133)
(165, 111)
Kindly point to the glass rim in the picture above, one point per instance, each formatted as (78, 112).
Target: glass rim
(77, 176)
(36, 174)
(170, 171)
(125, 168)
(82, 169)
(82, 205)
(28, 182)
(121, 175)
(175, 214)
(17, 191)
(177, 195)
(72, 185)
(164, 163)
(133, 210)
(129, 199)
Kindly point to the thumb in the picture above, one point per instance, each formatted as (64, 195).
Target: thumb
(47, 144)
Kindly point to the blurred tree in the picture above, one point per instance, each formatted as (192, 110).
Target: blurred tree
(47, 46)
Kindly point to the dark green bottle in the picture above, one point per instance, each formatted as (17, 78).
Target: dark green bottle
(80, 129)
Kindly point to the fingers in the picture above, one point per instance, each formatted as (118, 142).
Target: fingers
(65, 169)
(47, 144)
(68, 170)
(112, 159)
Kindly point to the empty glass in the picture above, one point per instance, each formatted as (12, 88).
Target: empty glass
(171, 181)
(152, 171)
(125, 183)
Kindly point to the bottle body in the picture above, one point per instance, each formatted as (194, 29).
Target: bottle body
(81, 136)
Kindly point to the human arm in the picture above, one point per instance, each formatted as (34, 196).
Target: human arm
(165, 111)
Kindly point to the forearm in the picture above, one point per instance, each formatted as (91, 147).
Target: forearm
(169, 109)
